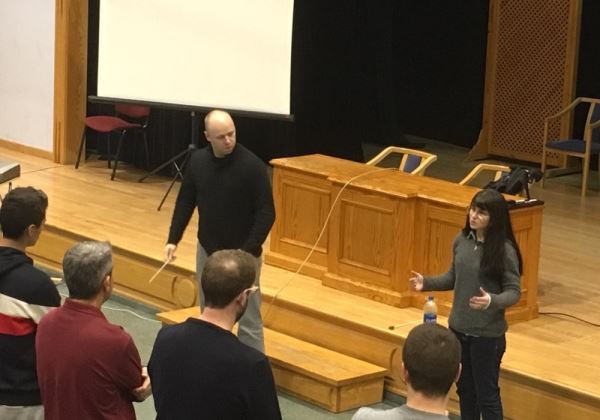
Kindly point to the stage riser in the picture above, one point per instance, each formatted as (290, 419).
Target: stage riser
(332, 334)
(173, 288)
(531, 403)
(529, 399)
(327, 396)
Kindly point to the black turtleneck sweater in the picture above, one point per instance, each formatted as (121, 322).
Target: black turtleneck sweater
(234, 200)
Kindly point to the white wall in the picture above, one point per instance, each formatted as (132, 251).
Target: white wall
(27, 72)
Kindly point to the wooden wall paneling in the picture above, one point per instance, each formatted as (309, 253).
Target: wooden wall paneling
(70, 77)
(530, 74)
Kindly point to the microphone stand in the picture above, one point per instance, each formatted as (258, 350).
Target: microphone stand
(186, 154)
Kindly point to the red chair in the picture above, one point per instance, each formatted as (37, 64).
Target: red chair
(138, 117)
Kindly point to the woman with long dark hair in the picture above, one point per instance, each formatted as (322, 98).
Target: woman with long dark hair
(485, 275)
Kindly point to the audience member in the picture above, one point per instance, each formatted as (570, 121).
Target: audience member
(199, 369)
(88, 368)
(26, 295)
(430, 364)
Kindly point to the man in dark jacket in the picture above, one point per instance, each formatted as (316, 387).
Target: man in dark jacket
(26, 295)
(230, 187)
(199, 369)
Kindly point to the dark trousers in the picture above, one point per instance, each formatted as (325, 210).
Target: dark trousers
(477, 386)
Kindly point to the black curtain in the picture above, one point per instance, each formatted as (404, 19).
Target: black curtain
(440, 49)
(588, 67)
(361, 71)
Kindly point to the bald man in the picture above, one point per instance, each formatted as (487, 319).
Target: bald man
(230, 187)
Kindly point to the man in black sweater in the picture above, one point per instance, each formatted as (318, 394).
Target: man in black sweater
(199, 369)
(231, 189)
(26, 295)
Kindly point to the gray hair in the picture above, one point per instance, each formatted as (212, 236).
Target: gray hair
(85, 265)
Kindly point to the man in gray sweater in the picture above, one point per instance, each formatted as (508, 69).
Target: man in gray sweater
(430, 364)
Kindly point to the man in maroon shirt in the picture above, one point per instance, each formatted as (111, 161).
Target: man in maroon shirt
(88, 368)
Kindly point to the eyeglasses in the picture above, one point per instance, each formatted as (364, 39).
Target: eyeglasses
(477, 212)
(251, 290)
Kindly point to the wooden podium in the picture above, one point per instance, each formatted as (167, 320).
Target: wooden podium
(382, 225)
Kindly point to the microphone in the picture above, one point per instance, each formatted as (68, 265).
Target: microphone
(393, 327)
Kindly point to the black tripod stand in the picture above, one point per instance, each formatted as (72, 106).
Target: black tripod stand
(186, 154)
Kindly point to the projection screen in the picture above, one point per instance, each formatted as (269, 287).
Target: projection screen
(231, 54)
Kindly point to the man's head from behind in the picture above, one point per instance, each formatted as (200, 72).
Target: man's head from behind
(431, 359)
(228, 276)
(22, 214)
(87, 268)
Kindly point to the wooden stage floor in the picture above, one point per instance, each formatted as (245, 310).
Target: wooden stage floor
(552, 364)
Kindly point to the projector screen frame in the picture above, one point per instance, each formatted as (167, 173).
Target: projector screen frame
(174, 101)
(191, 108)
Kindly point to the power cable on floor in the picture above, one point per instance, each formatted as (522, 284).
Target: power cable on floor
(41, 169)
(570, 316)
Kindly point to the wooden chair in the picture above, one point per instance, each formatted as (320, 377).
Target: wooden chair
(580, 148)
(485, 167)
(138, 117)
(414, 162)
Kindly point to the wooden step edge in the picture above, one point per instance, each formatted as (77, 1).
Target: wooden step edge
(177, 316)
(550, 386)
(383, 332)
(366, 371)
(371, 371)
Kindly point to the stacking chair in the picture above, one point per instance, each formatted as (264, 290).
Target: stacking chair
(485, 167)
(128, 118)
(577, 147)
(414, 162)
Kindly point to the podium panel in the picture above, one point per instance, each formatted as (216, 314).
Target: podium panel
(382, 225)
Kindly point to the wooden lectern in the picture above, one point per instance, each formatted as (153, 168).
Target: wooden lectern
(383, 224)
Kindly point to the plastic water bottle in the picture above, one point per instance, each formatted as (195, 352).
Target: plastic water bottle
(430, 310)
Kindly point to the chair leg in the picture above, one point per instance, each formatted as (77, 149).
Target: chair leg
(80, 148)
(543, 167)
(108, 147)
(147, 149)
(586, 171)
(118, 155)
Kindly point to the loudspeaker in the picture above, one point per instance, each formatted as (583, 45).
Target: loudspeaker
(9, 170)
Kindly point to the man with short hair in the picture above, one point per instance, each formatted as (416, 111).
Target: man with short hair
(26, 295)
(199, 369)
(430, 364)
(231, 189)
(88, 368)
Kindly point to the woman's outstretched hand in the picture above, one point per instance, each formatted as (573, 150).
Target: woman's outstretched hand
(416, 281)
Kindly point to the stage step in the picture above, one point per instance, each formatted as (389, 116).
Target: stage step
(323, 377)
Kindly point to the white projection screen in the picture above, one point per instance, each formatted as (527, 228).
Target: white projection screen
(230, 54)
